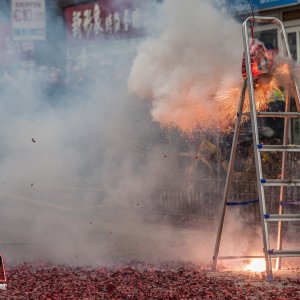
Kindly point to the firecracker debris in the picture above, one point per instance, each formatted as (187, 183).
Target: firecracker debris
(138, 280)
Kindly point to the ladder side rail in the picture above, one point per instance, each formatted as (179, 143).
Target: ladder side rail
(229, 175)
(283, 176)
(257, 154)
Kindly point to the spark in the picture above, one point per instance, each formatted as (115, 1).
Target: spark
(256, 265)
(265, 87)
(219, 110)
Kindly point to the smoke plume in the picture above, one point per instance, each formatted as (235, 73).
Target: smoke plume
(81, 166)
(184, 70)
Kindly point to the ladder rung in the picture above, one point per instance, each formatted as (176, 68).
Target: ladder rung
(284, 253)
(272, 114)
(241, 257)
(285, 217)
(246, 202)
(282, 148)
(279, 182)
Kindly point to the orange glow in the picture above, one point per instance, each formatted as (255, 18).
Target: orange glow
(265, 87)
(189, 111)
(256, 265)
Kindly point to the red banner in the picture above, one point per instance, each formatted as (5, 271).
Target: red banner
(99, 19)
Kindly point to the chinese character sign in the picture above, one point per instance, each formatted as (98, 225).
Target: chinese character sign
(261, 4)
(243, 6)
(28, 20)
(98, 19)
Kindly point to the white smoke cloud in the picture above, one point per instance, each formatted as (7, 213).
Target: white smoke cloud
(196, 57)
(79, 172)
(81, 191)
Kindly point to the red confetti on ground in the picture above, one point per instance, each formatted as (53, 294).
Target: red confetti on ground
(138, 281)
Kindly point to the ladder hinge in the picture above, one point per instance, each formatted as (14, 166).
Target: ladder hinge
(271, 251)
(259, 146)
(267, 216)
(263, 180)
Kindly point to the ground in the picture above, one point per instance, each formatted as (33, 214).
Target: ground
(107, 237)
(137, 280)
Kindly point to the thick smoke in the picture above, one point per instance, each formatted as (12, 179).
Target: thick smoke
(196, 58)
(82, 166)
(78, 169)
(81, 162)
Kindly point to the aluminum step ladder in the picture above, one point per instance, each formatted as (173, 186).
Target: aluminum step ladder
(262, 182)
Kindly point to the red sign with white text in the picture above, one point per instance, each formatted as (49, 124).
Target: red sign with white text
(102, 19)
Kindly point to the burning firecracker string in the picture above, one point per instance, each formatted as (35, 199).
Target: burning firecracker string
(221, 112)
(265, 88)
